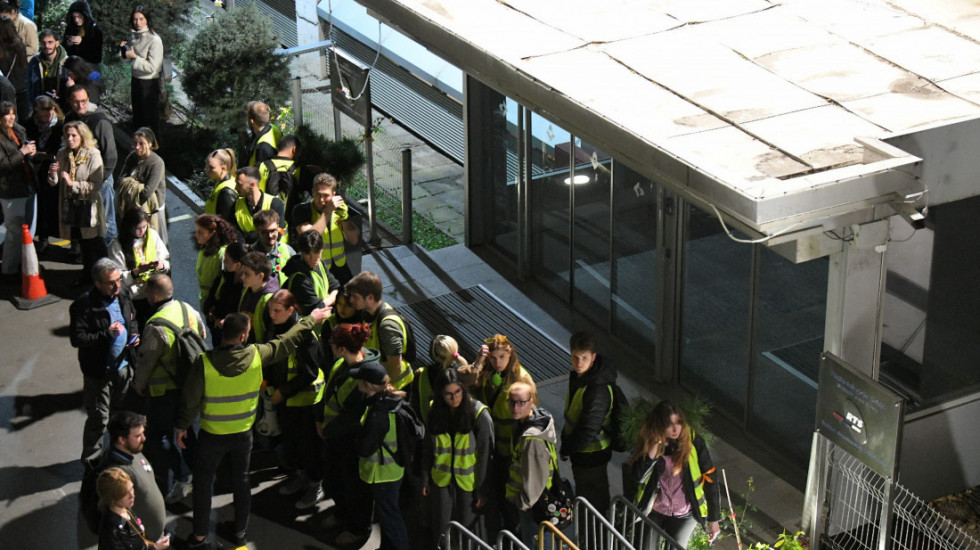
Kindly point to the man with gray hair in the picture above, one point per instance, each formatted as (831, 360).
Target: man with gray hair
(103, 329)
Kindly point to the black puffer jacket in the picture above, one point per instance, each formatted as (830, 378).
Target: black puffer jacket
(596, 402)
(90, 49)
(117, 533)
(89, 329)
(16, 176)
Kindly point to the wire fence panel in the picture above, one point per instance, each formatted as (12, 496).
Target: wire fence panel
(636, 527)
(855, 499)
(595, 532)
(509, 541)
(461, 538)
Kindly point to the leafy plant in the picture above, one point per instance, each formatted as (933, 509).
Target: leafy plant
(425, 232)
(696, 410)
(700, 539)
(785, 541)
(184, 147)
(343, 159)
(231, 62)
(51, 15)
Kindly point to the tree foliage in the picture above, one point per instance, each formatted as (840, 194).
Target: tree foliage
(229, 63)
(168, 18)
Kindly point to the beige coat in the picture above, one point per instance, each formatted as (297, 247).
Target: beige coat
(88, 178)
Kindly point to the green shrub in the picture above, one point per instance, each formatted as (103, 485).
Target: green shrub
(184, 148)
(51, 15)
(169, 17)
(343, 159)
(229, 63)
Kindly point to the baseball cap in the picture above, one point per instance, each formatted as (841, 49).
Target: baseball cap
(371, 372)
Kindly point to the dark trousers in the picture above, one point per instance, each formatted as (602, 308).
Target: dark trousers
(592, 483)
(163, 452)
(146, 103)
(210, 450)
(100, 396)
(300, 445)
(679, 528)
(92, 250)
(352, 497)
(499, 515)
(394, 536)
(342, 273)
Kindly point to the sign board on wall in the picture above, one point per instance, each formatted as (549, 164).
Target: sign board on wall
(859, 415)
(351, 91)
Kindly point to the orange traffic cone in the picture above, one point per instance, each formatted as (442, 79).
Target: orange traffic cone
(32, 286)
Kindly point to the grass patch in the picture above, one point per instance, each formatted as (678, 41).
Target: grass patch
(425, 232)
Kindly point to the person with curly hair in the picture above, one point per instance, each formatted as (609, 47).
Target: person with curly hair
(211, 235)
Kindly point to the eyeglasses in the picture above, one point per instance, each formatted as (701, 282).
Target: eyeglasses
(453, 393)
(518, 403)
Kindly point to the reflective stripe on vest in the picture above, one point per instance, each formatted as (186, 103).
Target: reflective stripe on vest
(208, 268)
(230, 402)
(311, 393)
(162, 375)
(243, 216)
(455, 457)
(573, 410)
(211, 205)
(515, 479)
(271, 137)
(374, 341)
(333, 235)
(380, 466)
(334, 405)
(149, 255)
(503, 423)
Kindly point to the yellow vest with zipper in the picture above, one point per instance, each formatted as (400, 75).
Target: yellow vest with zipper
(381, 466)
(573, 411)
(230, 402)
(211, 205)
(455, 458)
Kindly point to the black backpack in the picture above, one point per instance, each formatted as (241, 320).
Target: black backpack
(88, 496)
(411, 353)
(620, 413)
(280, 183)
(188, 344)
(410, 432)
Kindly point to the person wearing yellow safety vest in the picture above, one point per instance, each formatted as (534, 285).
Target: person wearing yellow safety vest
(676, 480)
(338, 421)
(498, 367)
(250, 201)
(266, 224)
(456, 456)
(258, 285)
(279, 175)
(587, 435)
(327, 213)
(307, 275)
(221, 168)
(265, 136)
(389, 331)
(377, 448)
(211, 235)
(141, 252)
(223, 387)
(156, 375)
(226, 291)
(297, 385)
(444, 352)
(533, 459)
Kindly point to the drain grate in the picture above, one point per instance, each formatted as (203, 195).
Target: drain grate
(471, 315)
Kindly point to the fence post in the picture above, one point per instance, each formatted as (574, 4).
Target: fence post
(406, 196)
(297, 101)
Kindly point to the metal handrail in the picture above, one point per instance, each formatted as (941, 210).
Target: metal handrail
(507, 540)
(472, 542)
(637, 527)
(564, 543)
(594, 531)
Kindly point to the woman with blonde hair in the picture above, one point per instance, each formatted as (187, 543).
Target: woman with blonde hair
(121, 529)
(444, 352)
(221, 168)
(78, 172)
(675, 475)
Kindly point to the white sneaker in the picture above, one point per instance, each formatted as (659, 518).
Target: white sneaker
(180, 491)
(313, 494)
(297, 483)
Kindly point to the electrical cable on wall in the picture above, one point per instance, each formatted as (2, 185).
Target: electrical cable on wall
(752, 241)
(377, 55)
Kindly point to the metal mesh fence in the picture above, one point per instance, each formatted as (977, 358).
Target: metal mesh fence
(857, 498)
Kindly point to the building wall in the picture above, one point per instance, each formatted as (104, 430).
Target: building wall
(940, 452)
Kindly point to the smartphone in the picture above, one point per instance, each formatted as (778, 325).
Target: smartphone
(133, 339)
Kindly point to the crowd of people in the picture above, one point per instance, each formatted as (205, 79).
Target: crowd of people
(294, 331)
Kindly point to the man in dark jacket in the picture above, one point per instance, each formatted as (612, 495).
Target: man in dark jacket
(98, 122)
(307, 276)
(587, 435)
(101, 324)
(46, 70)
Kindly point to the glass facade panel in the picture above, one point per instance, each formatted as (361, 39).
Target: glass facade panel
(790, 311)
(591, 257)
(715, 314)
(550, 205)
(504, 170)
(634, 262)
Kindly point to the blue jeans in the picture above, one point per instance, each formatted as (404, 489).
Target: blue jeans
(393, 533)
(163, 452)
(109, 203)
(210, 450)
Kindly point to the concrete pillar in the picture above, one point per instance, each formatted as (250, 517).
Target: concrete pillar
(855, 292)
(308, 31)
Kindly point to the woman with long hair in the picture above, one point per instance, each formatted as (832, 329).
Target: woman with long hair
(337, 423)
(44, 129)
(145, 49)
(16, 186)
(142, 252)
(143, 180)
(377, 445)
(211, 235)
(83, 36)
(226, 290)
(675, 475)
(444, 352)
(13, 64)
(221, 168)
(120, 528)
(456, 454)
(80, 72)
(78, 172)
(297, 385)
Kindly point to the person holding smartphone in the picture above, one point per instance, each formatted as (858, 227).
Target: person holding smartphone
(142, 252)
